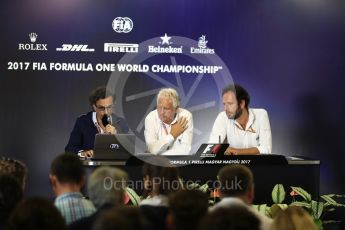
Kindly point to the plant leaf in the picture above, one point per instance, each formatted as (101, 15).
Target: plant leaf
(302, 204)
(329, 210)
(283, 206)
(193, 186)
(181, 181)
(278, 194)
(261, 208)
(268, 212)
(334, 195)
(317, 209)
(275, 209)
(318, 224)
(135, 198)
(203, 188)
(211, 202)
(328, 199)
(300, 191)
(331, 222)
(338, 195)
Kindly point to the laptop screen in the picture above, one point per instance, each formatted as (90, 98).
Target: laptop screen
(113, 146)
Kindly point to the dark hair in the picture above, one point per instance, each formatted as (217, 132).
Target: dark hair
(11, 193)
(14, 167)
(188, 207)
(36, 214)
(239, 91)
(100, 93)
(235, 180)
(230, 218)
(121, 218)
(158, 169)
(67, 168)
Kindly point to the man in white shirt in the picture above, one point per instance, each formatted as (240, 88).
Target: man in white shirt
(248, 131)
(237, 189)
(169, 128)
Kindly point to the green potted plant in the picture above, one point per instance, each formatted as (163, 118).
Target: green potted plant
(300, 197)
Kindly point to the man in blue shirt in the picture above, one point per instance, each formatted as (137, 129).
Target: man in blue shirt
(82, 137)
(67, 178)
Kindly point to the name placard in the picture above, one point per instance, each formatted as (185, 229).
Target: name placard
(219, 159)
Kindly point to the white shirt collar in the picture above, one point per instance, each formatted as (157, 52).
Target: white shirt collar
(250, 119)
(250, 122)
(95, 122)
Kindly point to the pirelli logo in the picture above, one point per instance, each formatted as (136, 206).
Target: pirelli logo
(121, 48)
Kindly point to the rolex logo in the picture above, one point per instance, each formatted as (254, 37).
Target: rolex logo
(32, 45)
(33, 37)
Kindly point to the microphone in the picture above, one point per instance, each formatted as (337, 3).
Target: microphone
(106, 120)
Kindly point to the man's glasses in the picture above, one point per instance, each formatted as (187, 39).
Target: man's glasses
(102, 108)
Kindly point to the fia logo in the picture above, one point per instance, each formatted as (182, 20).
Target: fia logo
(122, 25)
(75, 48)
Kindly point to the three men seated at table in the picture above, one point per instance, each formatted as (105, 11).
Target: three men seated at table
(169, 128)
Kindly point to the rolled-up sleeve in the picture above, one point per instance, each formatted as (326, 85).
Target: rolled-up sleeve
(265, 137)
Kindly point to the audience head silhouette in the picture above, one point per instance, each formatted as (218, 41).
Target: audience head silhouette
(106, 185)
(36, 214)
(14, 167)
(236, 181)
(293, 218)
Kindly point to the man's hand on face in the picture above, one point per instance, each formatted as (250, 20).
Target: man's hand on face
(179, 127)
(110, 129)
